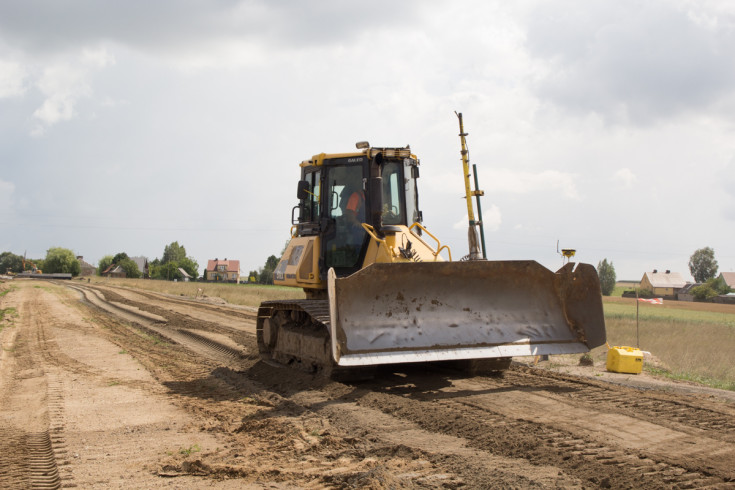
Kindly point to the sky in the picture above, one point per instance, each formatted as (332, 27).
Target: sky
(603, 126)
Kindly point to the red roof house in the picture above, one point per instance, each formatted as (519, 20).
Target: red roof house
(222, 271)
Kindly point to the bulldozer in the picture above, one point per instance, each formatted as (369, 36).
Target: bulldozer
(381, 289)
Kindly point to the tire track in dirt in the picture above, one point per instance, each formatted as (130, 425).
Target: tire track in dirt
(31, 409)
(177, 322)
(504, 421)
(95, 447)
(284, 416)
(717, 419)
(469, 410)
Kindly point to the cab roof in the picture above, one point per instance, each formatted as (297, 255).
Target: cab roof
(318, 160)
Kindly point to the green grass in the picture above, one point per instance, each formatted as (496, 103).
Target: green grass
(618, 290)
(191, 449)
(7, 311)
(693, 377)
(647, 312)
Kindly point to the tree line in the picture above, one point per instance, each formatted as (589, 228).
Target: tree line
(174, 257)
(167, 267)
(63, 260)
(702, 265)
(57, 260)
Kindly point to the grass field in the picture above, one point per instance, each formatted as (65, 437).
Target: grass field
(694, 341)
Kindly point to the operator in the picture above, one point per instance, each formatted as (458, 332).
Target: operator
(355, 210)
(354, 217)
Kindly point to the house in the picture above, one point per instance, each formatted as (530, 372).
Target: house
(663, 283)
(729, 278)
(114, 271)
(222, 271)
(87, 269)
(142, 263)
(184, 275)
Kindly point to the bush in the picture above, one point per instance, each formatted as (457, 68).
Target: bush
(705, 292)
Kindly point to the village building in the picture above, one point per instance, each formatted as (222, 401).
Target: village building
(142, 263)
(114, 271)
(729, 278)
(222, 271)
(87, 269)
(663, 284)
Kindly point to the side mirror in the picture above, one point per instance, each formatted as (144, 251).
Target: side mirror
(415, 171)
(302, 192)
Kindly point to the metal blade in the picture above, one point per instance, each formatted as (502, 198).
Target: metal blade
(407, 312)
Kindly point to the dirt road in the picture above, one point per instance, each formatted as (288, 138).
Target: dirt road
(106, 387)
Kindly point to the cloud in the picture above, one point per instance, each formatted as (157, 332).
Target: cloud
(632, 61)
(6, 195)
(625, 178)
(726, 179)
(97, 57)
(12, 79)
(514, 182)
(62, 85)
(169, 26)
(491, 218)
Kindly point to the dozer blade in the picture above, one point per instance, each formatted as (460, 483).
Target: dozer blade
(412, 312)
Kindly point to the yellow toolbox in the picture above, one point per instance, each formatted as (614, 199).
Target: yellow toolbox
(624, 360)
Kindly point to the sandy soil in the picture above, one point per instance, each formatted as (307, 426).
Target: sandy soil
(110, 388)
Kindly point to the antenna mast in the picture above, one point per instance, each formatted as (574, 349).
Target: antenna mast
(476, 240)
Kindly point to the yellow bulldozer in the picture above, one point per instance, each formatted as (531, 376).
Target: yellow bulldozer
(381, 289)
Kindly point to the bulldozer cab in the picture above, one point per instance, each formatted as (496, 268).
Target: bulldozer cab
(345, 191)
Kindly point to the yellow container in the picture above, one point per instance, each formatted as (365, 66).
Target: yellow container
(624, 360)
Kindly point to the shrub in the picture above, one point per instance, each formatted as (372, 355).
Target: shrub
(705, 292)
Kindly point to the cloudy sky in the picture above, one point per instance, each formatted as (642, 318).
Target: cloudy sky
(608, 126)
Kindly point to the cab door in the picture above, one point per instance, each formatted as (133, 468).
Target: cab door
(344, 240)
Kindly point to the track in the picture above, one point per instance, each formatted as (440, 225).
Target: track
(409, 427)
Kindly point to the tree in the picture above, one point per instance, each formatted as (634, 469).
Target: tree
(168, 271)
(104, 263)
(253, 277)
(9, 262)
(61, 260)
(711, 289)
(719, 285)
(173, 253)
(119, 258)
(190, 266)
(265, 276)
(703, 292)
(702, 264)
(130, 268)
(606, 271)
